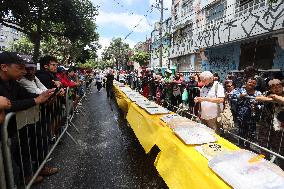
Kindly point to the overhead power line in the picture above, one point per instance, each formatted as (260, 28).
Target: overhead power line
(138, 23)
(150, 10)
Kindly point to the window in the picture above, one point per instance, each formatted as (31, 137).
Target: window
(2, 38)
(216, 11)
(243, 2)
(188, 31)
(187, 6)
(2, 48)
(176, 11)
(259, 54)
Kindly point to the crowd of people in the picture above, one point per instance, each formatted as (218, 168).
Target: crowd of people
(22, 86)
(247, 104)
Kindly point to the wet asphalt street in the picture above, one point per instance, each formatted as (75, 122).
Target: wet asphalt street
(108, 154)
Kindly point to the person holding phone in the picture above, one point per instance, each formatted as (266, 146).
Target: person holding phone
(12, 68)
(247, 110)
(272, 119)
(30, 81)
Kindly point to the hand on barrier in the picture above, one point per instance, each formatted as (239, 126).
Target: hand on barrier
(62, 92)
(43, 97)
(4, 103)
(57, 83)
(198, 99)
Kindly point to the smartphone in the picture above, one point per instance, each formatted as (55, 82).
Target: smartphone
(56, 92)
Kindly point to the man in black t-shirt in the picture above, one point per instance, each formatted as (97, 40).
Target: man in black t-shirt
(109, 83)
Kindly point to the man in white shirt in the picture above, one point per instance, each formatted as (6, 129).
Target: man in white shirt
(31, 82)
(212, 96)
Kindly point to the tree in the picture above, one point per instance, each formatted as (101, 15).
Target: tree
(141, 57)
(61, 47)
(39, 19)
(89, 64)
(117, 52)
(89, 52)
(23, 46)
(272, 1)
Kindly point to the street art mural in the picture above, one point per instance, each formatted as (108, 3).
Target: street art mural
(222, 59)
(278, 62)
(238, 23)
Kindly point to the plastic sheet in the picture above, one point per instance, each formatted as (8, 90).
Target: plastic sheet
(194, 135)
(243, 170)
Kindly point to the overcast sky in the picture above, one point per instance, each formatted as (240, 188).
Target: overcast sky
(117, 18)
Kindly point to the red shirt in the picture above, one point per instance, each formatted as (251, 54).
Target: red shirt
(65, 81)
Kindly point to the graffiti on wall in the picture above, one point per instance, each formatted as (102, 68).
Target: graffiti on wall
(278, 61)
(221, 60)
(261, 20)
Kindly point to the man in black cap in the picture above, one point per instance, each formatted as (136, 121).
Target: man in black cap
(12, 68)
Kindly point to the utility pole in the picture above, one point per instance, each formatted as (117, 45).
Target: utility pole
(161, 33)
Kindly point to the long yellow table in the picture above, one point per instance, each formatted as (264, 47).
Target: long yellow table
(180, 165)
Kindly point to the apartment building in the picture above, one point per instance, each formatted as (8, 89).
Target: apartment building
(166, 44)
(223, 35)
(7, 36)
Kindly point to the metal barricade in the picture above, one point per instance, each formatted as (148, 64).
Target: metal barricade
(7, 159)
(29, 137)
(265, 142)
(2, 170)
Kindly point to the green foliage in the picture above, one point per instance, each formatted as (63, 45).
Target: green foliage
(102, 64)
(91, 64)
(272, 1)
(23, 45)
(118, 52)
(141, 57)
(60, 47)
(70, 20)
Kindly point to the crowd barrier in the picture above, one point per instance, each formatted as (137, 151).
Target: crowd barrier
(2, 173)
(29, 137)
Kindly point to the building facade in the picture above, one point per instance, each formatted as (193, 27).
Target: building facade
(223, 35)
(7, 36)
(166, 44)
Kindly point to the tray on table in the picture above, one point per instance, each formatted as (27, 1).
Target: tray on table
(195, 134)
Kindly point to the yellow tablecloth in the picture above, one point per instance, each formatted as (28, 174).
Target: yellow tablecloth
(180, 165)
(121, 99)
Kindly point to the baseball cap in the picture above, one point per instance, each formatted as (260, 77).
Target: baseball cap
(11, 58)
